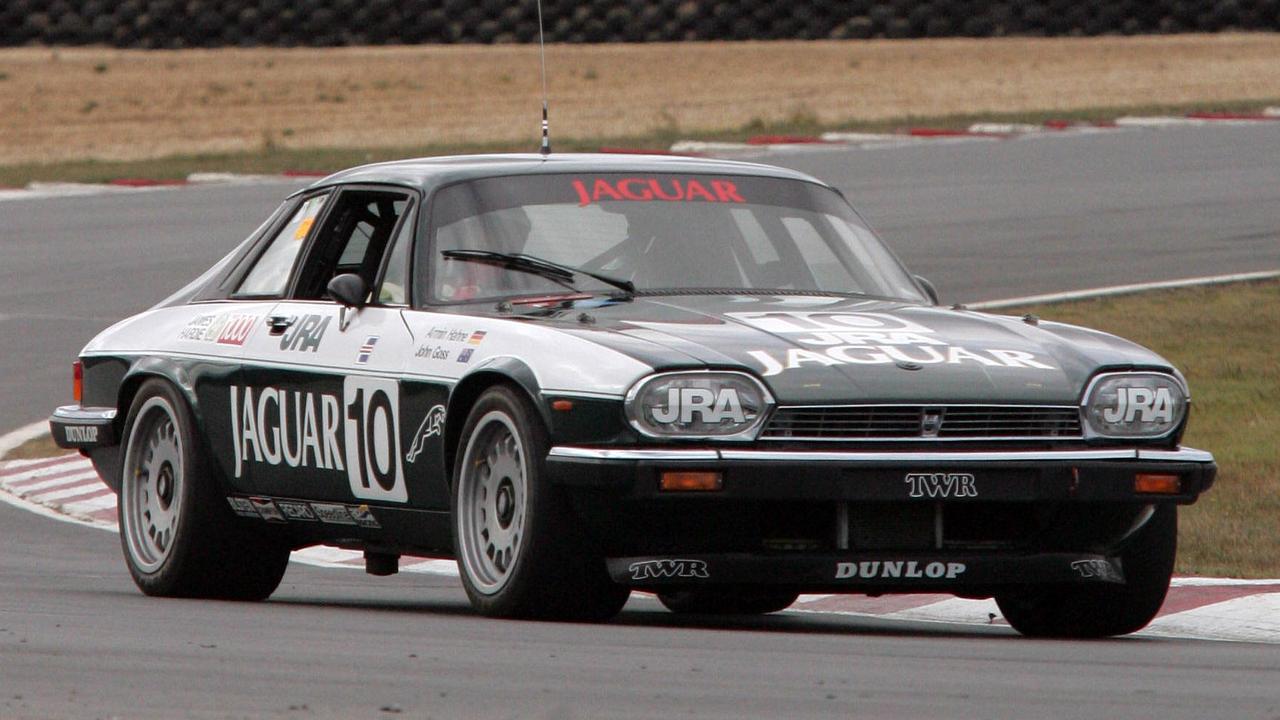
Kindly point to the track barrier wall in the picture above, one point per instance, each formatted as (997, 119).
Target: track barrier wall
(285, 23)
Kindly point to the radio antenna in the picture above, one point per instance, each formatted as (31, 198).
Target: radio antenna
(542, 50)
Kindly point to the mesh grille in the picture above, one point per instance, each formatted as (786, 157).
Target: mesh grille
(898, 422)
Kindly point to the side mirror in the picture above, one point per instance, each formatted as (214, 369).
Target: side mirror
(929, 290)
(349, 289)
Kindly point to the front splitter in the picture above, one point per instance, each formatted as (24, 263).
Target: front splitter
(868, 572)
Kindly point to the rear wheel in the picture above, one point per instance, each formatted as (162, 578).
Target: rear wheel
(728, 600)
(521, 552)
(1104, 610)
(179, 537)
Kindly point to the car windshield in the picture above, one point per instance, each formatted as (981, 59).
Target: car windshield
(664, 233)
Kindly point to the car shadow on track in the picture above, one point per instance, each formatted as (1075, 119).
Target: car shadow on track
(642, 612)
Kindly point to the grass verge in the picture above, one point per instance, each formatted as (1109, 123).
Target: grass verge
(275, 159)
(40, 447)
(1224, 339)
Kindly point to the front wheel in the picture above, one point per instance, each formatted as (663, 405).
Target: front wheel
(520, 551)
(1095, 611)
(178, 535)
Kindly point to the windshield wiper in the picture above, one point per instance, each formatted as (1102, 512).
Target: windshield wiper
(538, 266)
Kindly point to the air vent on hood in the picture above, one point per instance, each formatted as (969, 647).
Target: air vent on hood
(924, 422)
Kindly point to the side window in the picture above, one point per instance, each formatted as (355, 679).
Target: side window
(395, 279)
(354, 238)
(271, 271)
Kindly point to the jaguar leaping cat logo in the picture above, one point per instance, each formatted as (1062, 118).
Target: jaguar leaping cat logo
(432, 424)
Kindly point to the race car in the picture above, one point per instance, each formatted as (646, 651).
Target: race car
(580, 375)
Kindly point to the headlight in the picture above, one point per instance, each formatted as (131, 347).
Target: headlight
(725, 405)
(1134, 405)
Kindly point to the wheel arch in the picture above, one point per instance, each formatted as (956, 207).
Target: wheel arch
(154, 368)
(176, 375)
(505, 371)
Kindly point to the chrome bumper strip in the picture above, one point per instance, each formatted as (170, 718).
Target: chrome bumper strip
(804, 456)
(75, 413)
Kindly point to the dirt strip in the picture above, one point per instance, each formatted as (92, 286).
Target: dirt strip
(66, 104)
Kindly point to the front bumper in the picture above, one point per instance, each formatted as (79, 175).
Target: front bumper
(1081, 475)
(83, 428)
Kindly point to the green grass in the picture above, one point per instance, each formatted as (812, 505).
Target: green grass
(275, 159)
(1226, 340)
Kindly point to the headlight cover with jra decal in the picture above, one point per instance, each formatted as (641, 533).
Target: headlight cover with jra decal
(1134, 405)
(699, 404)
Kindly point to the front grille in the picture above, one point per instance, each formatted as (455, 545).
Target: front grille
(924, 422)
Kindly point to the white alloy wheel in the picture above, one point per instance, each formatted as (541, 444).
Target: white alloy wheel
(152, 491)
(493, 502)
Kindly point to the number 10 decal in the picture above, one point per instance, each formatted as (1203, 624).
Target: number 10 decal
(371, 407)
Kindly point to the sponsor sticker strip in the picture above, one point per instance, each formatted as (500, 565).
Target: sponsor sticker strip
(1207, 608)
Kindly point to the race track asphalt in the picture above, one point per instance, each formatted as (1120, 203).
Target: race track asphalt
(983, 220)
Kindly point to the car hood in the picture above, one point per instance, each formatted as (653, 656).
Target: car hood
(828, 350)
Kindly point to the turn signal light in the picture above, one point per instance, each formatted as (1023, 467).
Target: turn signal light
(691, 481)
(1157, 484)
(77, 381)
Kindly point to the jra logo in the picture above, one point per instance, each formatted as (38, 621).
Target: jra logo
(686, 404)
(1140, 403)
(306, 335)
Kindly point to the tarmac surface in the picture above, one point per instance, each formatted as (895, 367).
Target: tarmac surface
(983, 220)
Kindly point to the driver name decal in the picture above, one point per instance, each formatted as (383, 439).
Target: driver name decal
(845, 338)
(649, 189)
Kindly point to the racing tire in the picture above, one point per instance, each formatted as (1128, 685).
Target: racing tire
(1097, 611)
(521, 551)
(179, 536)
(728, 600)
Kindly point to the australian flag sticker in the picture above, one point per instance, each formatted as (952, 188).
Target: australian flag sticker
(366, 350)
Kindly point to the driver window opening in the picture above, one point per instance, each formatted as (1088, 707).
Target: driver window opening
(354, 239)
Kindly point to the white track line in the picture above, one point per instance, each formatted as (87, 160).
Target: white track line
(1252, 618)
(995, 128)
(1124, 290)
(13, 440)
(1160, 121)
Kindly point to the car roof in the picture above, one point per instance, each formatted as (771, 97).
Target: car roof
(429, 173)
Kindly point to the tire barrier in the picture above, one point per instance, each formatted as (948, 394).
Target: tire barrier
(320, 23)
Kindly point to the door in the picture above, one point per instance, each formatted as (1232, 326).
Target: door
(320, 406)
